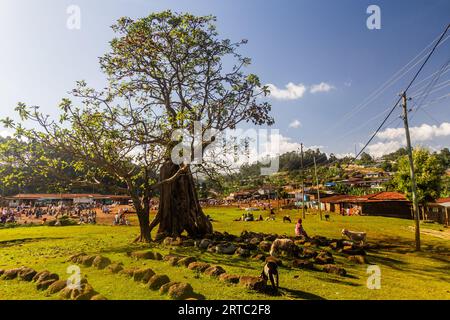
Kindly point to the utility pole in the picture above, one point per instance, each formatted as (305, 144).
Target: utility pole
(303, 182)
(411, 166)
(318, 191)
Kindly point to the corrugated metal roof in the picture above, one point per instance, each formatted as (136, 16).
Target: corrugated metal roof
(375, 197)
(443, 200)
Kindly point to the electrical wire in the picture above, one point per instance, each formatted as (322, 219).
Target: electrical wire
(394, 78)
(404, 92)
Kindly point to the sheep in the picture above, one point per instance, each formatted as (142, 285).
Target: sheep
(286, 245)
(355, 236)
(270, 272)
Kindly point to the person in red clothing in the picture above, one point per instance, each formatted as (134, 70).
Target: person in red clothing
(299, 231)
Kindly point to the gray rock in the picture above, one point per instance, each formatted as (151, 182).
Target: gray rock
(226, 248)
(204, 244)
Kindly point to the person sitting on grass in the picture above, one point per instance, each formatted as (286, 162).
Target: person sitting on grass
(300, 231)
(117, 219)
(123, 220)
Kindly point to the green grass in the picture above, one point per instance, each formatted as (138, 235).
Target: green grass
(405, 274)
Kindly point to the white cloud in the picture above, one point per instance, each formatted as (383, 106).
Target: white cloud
(5, 133)
(315, 147)
(343, 155)
(295, 124)
(424, 132)
(381, 148)
(285, 144)
(321, 87)
(292, 91)
(394, 138)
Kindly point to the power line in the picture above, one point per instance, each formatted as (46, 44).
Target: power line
(417, 91)
(434, 101)
(362, 125)
(430, 116)
(436, 87)
(420, 92)
(430, 86)
(404, 91)
(417, 83)
(398, 75)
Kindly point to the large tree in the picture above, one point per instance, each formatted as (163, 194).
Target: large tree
(166, 72)
(428, 172)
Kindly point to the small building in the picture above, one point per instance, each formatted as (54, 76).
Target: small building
(241, 195)
(438, 211)
(265, 192)
(64, 198)
(387, 204)
(335, 203)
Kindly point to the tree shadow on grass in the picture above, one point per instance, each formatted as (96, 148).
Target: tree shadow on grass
(404, 245)
(227, 260)
(298, 294)
(406, 267)
(390, 262)
(131, 247)
(9, 243)
(338, 281)
(197, 296)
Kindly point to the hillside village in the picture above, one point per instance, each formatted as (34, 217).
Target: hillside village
(362, 188)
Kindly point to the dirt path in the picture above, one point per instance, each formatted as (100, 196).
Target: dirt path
(435, 233)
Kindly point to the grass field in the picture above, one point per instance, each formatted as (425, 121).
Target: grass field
(405, 274)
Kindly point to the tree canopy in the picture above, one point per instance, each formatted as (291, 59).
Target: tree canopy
(428, 172)
(166, 72)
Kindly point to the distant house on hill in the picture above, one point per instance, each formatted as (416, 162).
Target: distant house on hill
(373, 183)
(265, 192)
(388, 204)
(241, 195)
(373, 174)
(262, 193)
(64, 198)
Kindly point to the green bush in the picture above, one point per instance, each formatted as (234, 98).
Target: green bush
(16, 225)
(63, 221)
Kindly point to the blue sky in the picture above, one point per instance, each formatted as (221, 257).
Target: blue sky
(321, 45)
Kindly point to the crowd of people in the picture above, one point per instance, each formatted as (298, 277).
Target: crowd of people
(42, 213)
(89, 217)
(120, 219)
(9, 216)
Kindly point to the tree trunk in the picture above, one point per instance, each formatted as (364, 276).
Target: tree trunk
(143, 213)
(179, 208)
(144, 225)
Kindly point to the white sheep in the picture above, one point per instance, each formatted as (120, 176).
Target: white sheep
(286, 245)
(355, 236)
